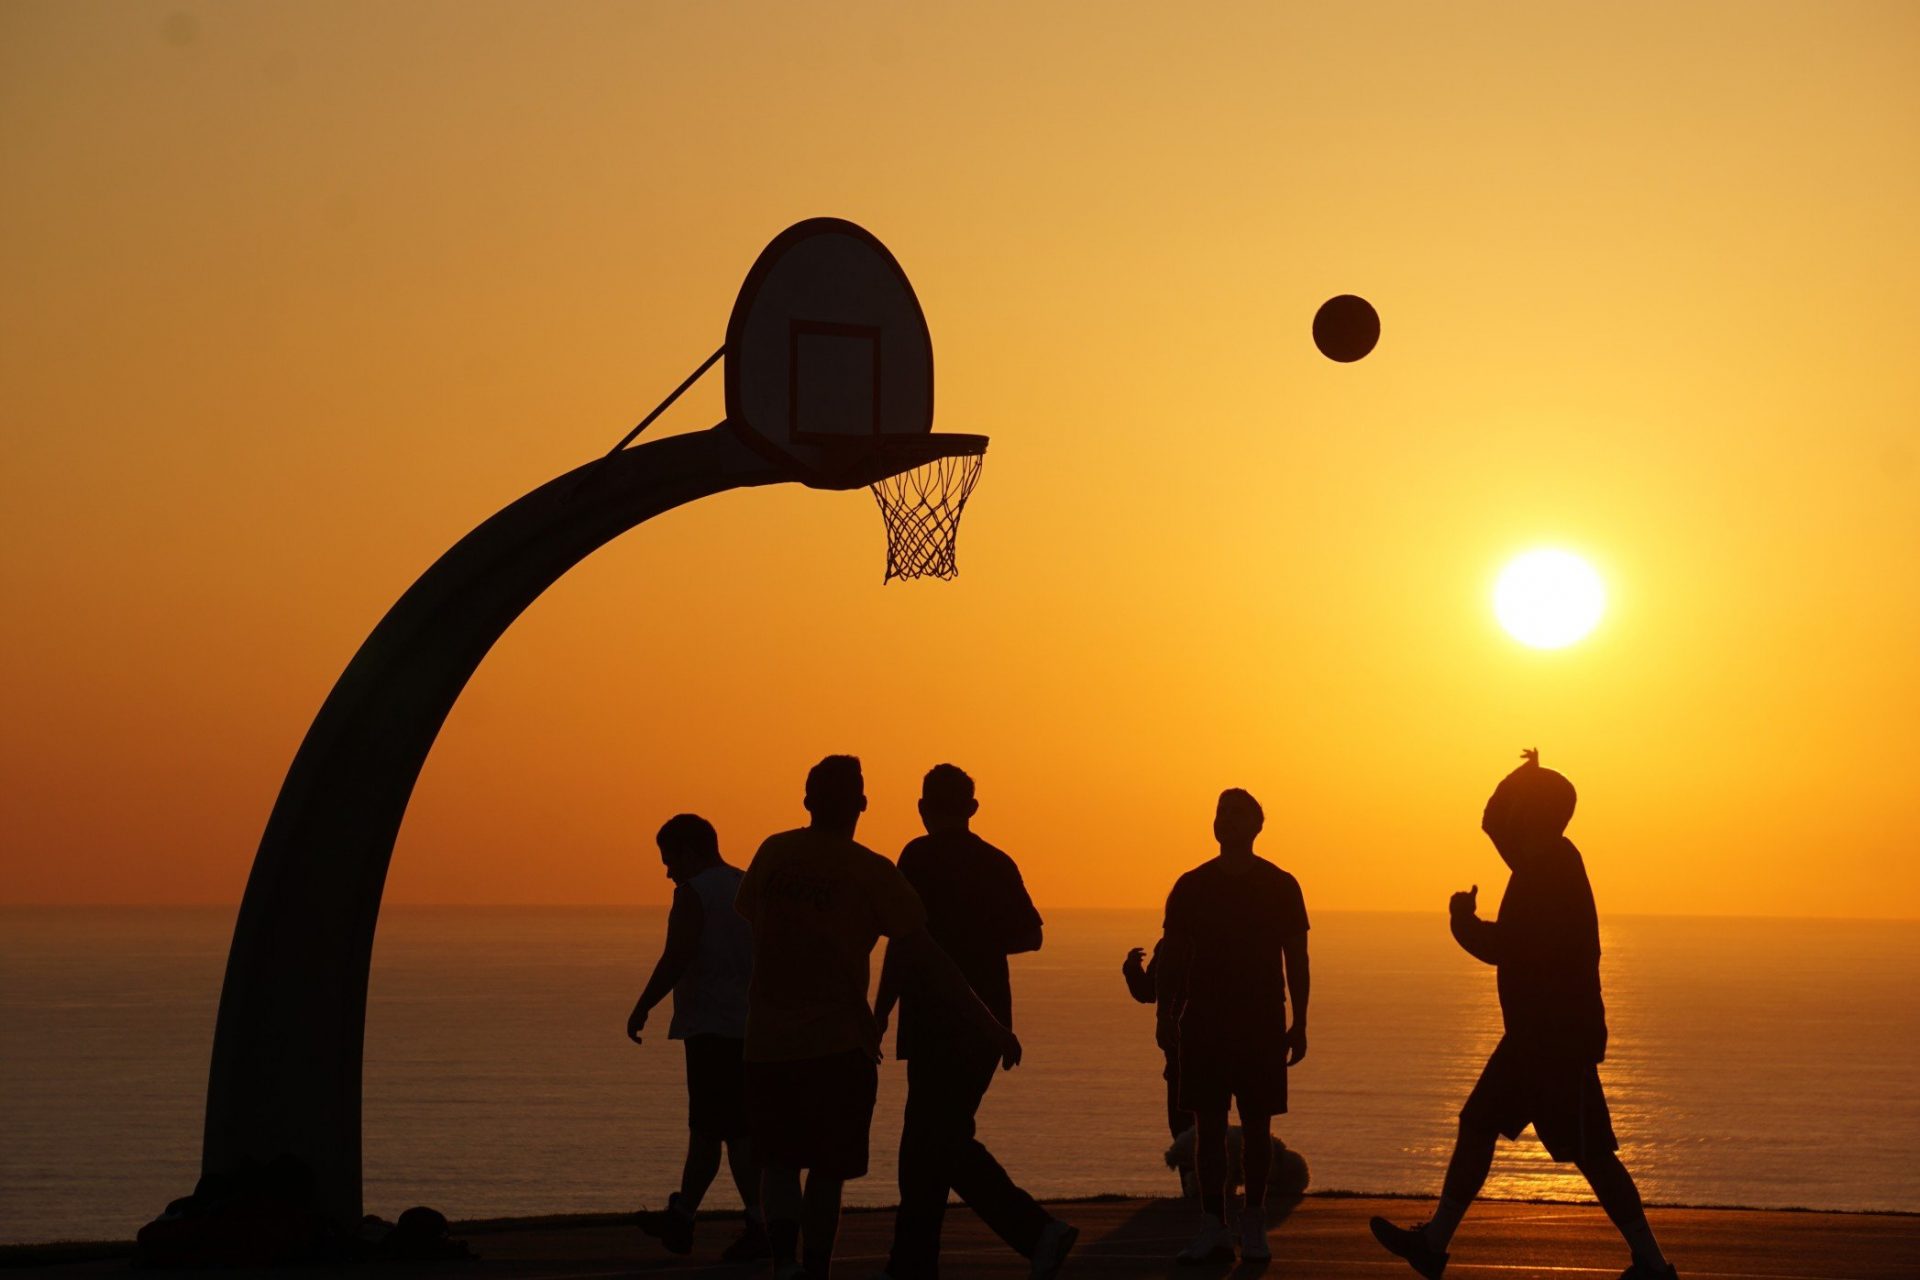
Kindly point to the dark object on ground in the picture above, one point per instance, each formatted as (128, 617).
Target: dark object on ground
(421, 1236)
(257, 1215)
(261, 1215)
(1286, 1179)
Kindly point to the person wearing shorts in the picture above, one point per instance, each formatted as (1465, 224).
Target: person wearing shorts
(706, 963)
(1545, 948)
(979, 911)
(817, 903)
(1233, 948)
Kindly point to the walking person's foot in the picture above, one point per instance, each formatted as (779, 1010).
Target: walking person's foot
(1411, 1244)
(1643, 1271)
(1253, 1235)
(671, 1226)
(1056, 1242)
(1213, 1244)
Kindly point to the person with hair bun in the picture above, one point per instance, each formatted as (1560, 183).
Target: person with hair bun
(1545, 948)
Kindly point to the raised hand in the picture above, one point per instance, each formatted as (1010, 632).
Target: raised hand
(1136, 961)
(1465, 904)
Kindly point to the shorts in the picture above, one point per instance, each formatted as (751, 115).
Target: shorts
(716, 1087)
(1214, 1074)
(813, 1113)
(1559, 1096)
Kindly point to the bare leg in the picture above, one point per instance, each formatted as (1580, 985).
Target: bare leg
(822, 1218)
(696, 1175)
(1256, 1154)
(1210, 1159)
(1613, 1187)
(780, 1194)
(746, 1175)
(1466, 1174)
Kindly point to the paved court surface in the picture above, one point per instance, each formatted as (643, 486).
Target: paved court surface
(1321, 1236)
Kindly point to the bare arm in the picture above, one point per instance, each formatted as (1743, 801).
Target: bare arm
(889, 993)
(1299, 987)
(1478, 938)
(684, 923)
(946, 987)
(1172, 959)
(1022, 927)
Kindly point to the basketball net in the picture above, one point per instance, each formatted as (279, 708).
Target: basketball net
(921, 508)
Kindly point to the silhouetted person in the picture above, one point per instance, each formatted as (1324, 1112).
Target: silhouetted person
(818, 902)
(706, 963)
(1233, 947)
(979, 912)
(1545, 947)
(1140, 974)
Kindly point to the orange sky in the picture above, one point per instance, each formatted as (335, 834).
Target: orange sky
(296, 295)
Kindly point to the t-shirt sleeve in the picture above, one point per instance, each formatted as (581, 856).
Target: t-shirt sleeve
(1293, 909)
(746, 899)
(1179, 914)
(910, 864)
(1013, 906)
(896, 907)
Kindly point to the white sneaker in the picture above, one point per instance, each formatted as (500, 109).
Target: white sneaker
(1056, 1242)
(1213, 1244)
(1253, 1235)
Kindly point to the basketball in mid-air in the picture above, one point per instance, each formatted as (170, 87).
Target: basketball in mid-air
(1346, 328)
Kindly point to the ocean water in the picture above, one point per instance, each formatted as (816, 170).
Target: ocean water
(1754, 1062)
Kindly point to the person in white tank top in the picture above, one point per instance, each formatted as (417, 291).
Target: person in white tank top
(707, 963)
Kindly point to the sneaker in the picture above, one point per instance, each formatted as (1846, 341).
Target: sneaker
(1213, 1244)
(1253, 1235)
(751, 1245)
(1412, 1245)
(672, 1226)
(1641, 1271)
(1056, 1242)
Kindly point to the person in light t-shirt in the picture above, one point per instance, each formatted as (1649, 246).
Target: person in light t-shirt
(706, 963)
(818, 902)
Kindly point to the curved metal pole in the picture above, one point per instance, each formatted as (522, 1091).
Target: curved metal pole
(285, 1078)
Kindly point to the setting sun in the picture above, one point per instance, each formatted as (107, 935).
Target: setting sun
(1549, 599)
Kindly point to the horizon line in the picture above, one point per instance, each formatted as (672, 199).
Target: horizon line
(1111, 907)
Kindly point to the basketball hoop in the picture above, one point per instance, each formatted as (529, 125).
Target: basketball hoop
(921, 508)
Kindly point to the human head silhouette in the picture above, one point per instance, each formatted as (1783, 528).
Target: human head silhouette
(1531, 804)
(946, 799)
(1237, 820)
(836, 793)
(688, 845)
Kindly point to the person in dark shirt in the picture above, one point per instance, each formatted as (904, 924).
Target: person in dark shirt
(979, 912)
(1545, 948)
(1233, 948)
(818, 902)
